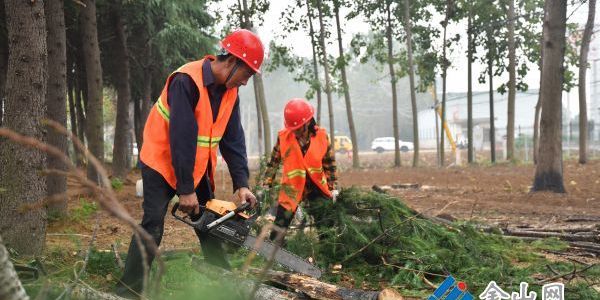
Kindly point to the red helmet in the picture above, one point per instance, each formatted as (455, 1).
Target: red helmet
(297, 112)
(245, 45)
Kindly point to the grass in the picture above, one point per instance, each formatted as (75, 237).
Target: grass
(413, 247)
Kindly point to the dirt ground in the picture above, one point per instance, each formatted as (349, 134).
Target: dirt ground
(496, 194)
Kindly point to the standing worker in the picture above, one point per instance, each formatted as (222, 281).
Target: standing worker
(197, 111)
(309, 171)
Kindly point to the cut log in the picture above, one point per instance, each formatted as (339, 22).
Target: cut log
(85, 292)
(264, 292)
(582, 218)
(316, 289)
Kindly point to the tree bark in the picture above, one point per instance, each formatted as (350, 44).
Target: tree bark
(327, 79)
(355, 160)
(122, 127)
(94, 110)
(549, 169)
(538, 105)
(10, 285)
(264, 113)
(411, 77)
(56, 185)
(72, 112)
(3, 59)
(510, 126)
(20, 179)
(317, 82)
(583, 61)
(490, 58)
(470, 50)
(388, 31)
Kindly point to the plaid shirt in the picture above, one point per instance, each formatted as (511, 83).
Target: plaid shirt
(328, 162)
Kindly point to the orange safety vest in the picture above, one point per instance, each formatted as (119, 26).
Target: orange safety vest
(156, 150)
(295, 167)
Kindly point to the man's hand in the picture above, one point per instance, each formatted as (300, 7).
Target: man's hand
(189, 204)
(245, 195)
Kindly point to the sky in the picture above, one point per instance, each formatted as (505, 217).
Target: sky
(456, 79)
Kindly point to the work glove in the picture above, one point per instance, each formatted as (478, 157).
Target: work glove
(334, 195)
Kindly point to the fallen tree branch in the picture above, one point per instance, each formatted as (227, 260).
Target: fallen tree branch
(572, 273)
(562, 236)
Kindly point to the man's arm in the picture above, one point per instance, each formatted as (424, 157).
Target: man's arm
(183, 130)
(272, 166)
(233, 149)
(329, 167)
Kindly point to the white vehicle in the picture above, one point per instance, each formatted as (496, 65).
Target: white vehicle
(382, 144)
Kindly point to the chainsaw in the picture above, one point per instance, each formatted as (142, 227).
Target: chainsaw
(229, 223)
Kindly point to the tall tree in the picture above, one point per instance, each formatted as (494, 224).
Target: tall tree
(470, 50)
(549, 169)
(56, 102)
(510, 126)
(411, 76)
(445, 64)
(10, 285)
(342, 66)
(325, 62)
(583, 65)
(20, 179)
(122, 128)
(388, 34)
(94, 110)
(490, 61)
(313, 42)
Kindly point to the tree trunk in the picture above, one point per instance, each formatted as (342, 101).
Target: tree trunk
(470, 50)
(327, 79)
(490, 58)
(10, 285)
(122, 128)
(72, 112)
(355, 161)
(80, 107)
(510, 126)
(538, 105)
(94, 111)
(22, 183)
(56, 185)
(264, 113)
(549, 170)
(444, 73)
(390, 50)
(583, 61)
(411, 77)
(317, 82)
(259, 125)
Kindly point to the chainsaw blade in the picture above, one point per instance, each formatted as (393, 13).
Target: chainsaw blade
(282, 256)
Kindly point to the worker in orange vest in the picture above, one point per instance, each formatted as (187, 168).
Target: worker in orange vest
(309, 171)
(197, 111)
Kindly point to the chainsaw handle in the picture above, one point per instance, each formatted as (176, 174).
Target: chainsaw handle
(185, 219)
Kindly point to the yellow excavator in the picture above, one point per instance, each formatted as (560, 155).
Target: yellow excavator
(438, 109)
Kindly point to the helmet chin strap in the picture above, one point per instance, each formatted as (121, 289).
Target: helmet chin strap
(237, 65)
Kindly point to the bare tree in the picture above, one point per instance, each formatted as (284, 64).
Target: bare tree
(94, 110)
(470, 49)
(490, 61)
(583, 62)
(549, 169)
(411, 77)
(22, 183)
